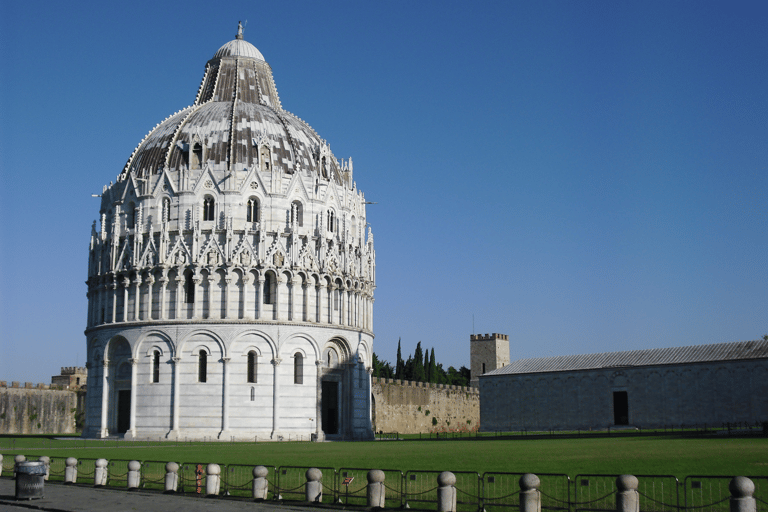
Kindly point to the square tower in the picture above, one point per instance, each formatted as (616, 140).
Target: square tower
(487, 352)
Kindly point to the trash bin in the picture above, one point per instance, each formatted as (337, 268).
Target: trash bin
(30, 480)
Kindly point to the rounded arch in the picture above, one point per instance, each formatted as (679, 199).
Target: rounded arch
(251, 339)
(205, 338)
(252, 208)
(154, 339)
(209, 207)
(308, 345)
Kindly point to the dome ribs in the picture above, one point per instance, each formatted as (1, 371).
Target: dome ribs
(176, 133)
(231, 163)
(202, 88)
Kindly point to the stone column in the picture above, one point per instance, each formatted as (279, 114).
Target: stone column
(179, 294)
(530, 496)
(279, 284)
(296, 315)
(742, 489)
(175, 425)
(275, 397)
(305, 310)
(321, 295)
(134, 370)
(113, 287)
(246, 281)
(259, 296)
(196, 308)
(150, 283)
(137, 298)
(225, 399)
(104, 397)
(163, 295)
(333, 314)
(318, 401)
(126, 284)
(227, 282)
(627, 497)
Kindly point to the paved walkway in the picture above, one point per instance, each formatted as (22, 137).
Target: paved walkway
(73, 498)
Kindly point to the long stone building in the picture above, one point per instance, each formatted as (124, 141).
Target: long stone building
(695, 385)
(231, 278)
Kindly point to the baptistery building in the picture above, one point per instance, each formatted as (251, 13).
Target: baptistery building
(231, 275)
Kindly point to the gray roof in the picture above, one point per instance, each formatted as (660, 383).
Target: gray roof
(649, 357)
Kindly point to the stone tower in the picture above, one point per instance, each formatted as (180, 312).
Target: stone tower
(231, 278)
(486, 353)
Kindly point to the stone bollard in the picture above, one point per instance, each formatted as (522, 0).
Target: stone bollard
(100, 473)
(1, 464)
(446, 492)
(260, 483)
(47, 461)
(70, 472)
(16, 461)
(171, 477)
(627, 497)
(742, 489)
(212, 479)
(377, 493)
(314, 487)
(134, 475)
(530, 496)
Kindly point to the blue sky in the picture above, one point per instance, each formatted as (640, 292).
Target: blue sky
(583, 176)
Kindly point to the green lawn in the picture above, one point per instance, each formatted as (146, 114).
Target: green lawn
(639, 455)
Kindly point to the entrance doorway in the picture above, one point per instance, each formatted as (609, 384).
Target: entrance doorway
(620, 408)
(330, 403)
(123, 411)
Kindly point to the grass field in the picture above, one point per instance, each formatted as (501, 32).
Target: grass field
(640, 455)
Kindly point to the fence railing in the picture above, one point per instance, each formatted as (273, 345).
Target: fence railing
(489, 492)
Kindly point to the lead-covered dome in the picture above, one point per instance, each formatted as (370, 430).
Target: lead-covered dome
(237, 110)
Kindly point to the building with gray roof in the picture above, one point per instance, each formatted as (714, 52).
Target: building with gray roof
(694, 385)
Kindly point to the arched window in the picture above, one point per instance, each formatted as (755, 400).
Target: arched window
(298, 368)
(156, 366)
(189, 287)
(202, 366)
(208, 208)
(269, 284)
(336, 298)
(297, 210)
(252, 361)
(166, 210)
(197, 156)
(331, 220)
(252, 210)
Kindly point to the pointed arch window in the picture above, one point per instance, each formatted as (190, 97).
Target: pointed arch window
(209, 207)
(298, 368)
(253, 360)
(189, 287)
(156, 366)
(252, 210)
(202, 366)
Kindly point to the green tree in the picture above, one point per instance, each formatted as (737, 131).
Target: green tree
(432, 367)
(399, 365)
(382, 369)
(427, 375)
(418, 364)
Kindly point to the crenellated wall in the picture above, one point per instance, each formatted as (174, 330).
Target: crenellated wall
(409, 407)
(37, 409)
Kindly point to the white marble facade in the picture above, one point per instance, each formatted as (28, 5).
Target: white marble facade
(231, 278)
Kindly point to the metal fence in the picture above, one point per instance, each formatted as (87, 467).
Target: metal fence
(489, 492)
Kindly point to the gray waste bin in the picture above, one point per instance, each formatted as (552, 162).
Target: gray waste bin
(30, 480)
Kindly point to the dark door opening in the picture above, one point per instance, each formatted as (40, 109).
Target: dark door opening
(123, 411)
(330, 405)
(620, 408)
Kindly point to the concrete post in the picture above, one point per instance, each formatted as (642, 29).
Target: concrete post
(314, 487)
(212, 479)
(1, 464)
(260, 483)
(742, 489)
(70, 472)
(376, 491)
(100, 473)
(627, 497)
(446, 492)
(45, 460)
(530, 496)
(171, 477)
(16, 461)
(134, 475)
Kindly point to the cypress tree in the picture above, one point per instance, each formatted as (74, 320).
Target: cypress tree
(432, 367)
(418, 364)
(427, 375)
(399, 366)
